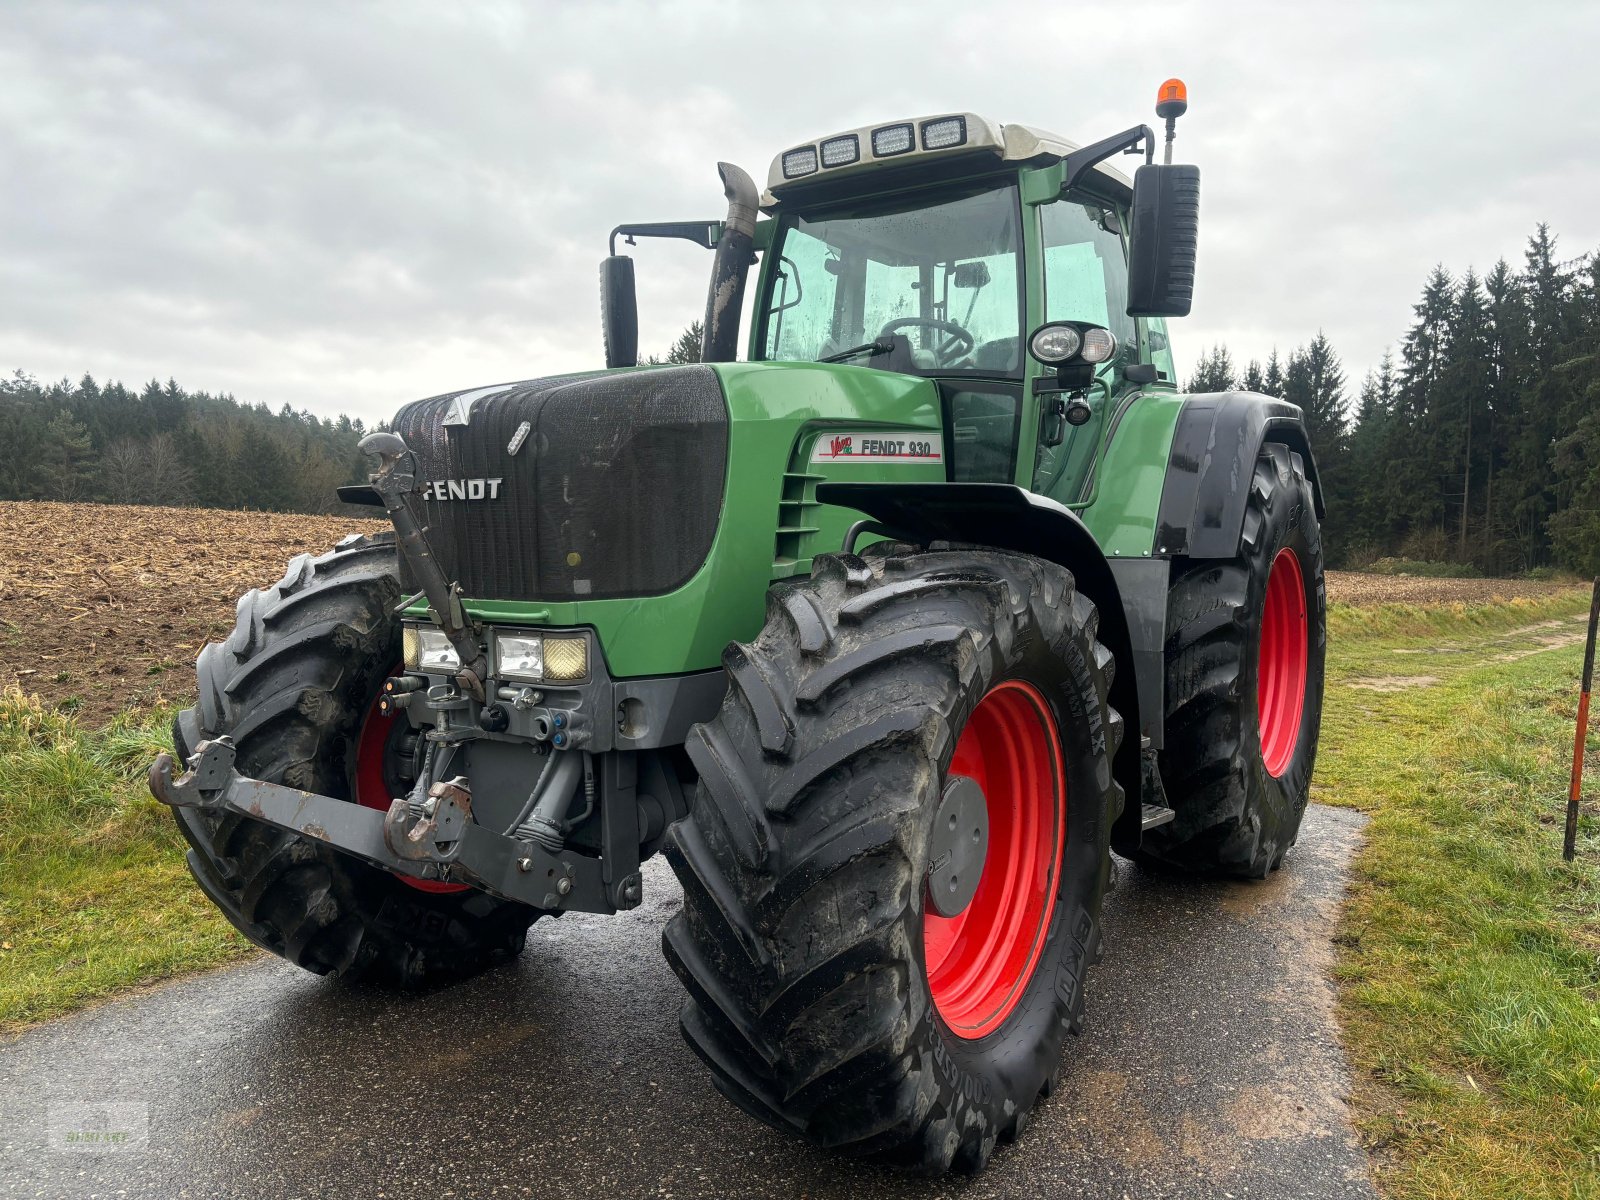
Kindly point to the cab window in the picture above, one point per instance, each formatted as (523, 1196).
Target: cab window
(1156, 337)
(1085, 267)
(941, 275)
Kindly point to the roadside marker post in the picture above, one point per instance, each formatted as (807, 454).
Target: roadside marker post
(1569, 848)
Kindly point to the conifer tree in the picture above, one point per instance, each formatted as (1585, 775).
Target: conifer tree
(1272, 378)
(1320, 394)
(1214, 372)
(1464, 397)
(1508, 359)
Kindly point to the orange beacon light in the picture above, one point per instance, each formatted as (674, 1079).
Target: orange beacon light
(1172, 101)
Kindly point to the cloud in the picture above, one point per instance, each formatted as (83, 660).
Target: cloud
(340, 207)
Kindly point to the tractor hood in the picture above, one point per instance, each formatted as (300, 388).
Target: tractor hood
(656, 505)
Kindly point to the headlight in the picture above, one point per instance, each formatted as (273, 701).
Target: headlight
(519, 657)
(427, 649)
(1055, 343)
(537, 658)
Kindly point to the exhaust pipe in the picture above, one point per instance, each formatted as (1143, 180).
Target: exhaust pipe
(735, 253)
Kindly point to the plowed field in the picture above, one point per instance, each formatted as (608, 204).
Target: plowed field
(1355, 587)
(106, 606)
(103, 607)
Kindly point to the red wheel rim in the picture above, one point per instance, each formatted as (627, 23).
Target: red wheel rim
(1281, 673)
(979, 961)
(372, 790)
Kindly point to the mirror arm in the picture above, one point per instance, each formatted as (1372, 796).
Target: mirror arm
(701, 233)
(1080, 162)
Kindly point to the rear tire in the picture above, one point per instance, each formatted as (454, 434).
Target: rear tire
(294, 685)
(805, 857)
(1244, 700)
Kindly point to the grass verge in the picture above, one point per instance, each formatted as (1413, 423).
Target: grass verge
(1469, 968)
(94, 896)
(1403, 624)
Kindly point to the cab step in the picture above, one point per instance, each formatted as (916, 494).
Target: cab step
(1154, 815)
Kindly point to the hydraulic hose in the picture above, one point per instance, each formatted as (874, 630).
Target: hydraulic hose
(548, 803)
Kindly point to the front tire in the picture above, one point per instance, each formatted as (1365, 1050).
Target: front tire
(295, 685)
(1246, 641)
(825, 994)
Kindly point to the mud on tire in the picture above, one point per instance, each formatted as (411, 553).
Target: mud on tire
(804, 857)
(292, 684)
(1235, 816)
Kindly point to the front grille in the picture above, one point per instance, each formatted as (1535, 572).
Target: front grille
(615, 491)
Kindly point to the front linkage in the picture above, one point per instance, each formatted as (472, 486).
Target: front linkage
(426, 836)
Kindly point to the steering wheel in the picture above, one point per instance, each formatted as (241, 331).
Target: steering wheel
(956, 343)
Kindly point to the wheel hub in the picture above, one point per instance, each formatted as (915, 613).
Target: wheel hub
(960, 844)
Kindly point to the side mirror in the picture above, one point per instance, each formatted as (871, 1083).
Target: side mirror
(619, 311)
(1166, 232)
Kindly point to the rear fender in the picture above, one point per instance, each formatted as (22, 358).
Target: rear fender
(1213, 456)
(1005, 517)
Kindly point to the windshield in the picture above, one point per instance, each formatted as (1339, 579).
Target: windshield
(943, 276)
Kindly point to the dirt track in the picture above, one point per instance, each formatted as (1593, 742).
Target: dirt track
(104, 606)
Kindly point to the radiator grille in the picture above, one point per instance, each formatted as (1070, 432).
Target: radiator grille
(616, 489)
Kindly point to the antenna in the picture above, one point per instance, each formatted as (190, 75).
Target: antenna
(1172, 101)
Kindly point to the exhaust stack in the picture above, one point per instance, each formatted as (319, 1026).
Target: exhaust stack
(729, 272)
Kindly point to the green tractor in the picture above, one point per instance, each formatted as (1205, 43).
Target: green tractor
(888, 634)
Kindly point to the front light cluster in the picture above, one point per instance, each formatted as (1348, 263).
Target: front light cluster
(524, 657)
(1060, 342)
(427, 649)
(541, 658)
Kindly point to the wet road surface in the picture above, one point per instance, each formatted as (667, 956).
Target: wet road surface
(1209, 1067)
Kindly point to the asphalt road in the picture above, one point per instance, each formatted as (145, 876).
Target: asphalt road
(1210, 1067)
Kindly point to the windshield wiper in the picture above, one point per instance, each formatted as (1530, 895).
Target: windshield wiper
(879, 347)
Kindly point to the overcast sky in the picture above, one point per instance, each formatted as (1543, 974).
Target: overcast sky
(342, 206)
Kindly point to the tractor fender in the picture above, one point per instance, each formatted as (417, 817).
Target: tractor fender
(1213, 456)
(1003, 516)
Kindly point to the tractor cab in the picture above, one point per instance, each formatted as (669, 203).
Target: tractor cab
(928, 247)
(934, 278)
(997, 260)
